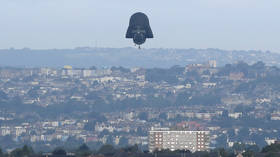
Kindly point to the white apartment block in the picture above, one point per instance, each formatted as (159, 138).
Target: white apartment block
(165, 138)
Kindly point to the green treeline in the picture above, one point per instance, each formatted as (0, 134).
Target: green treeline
(134, 151)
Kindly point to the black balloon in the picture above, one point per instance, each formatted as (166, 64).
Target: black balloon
(139, 28)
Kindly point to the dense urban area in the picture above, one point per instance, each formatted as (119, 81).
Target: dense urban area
(50, 107)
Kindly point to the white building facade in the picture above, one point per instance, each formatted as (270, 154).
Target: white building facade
(165, 138)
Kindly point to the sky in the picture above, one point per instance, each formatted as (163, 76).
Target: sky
(223, 24)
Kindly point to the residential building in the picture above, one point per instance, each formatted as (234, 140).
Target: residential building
(166, 138)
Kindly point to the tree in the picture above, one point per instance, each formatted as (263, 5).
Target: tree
(110, 140)
(253, 148)
(25, 151)
(167, 75)
(33, 93)
(143, 116)
(271, 148)
(121, 69)
(163, 116)
(107, 150)
(59, 151)
(225, 114)
(201, 154)
(83, 151)
(84, 147)
(3, 95)
(16, 153)
(208, 99)
(104, 133)
(221, 140)
(93, 68)
(238, 147)
(222, 152)
(272, 154)
(96, 117)
(90, 126)
(6, 141)
(259, 65)
(123, 141)
(248, 154)
(132, 149)
(1, 153)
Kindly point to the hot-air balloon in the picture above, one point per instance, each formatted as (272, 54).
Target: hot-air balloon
(139, 29)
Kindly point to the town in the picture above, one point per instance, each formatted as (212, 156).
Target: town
(50, 107)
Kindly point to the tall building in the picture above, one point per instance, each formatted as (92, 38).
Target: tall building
(165, 138)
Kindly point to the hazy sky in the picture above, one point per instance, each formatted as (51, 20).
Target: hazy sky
(225, 24)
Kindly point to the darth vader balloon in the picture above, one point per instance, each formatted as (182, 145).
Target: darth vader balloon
(139, 28)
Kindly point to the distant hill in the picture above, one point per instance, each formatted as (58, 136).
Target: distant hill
(129, 57)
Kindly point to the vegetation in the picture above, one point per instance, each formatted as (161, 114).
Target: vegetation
(134, 151)
(25, 151)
